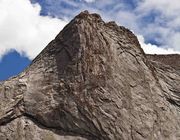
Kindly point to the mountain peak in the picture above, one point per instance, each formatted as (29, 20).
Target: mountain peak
(86, 15)
(93, 81)
(89, 30)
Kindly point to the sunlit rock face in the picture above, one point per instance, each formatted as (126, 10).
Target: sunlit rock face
(92, 82)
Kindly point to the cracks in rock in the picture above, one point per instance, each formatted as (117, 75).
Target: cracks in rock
(132, 137)
(58, 130)
(14, 113)
(169, 97)
(98, 134)
(65, 47)
(140, 134)
(131, 133)
(82, 65)
(125, 51)
(107, 43)
(8, 118)
(173, 102)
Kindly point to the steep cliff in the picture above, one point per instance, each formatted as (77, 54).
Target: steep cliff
(93, 81)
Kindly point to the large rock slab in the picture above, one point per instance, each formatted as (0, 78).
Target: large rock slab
(93, 81)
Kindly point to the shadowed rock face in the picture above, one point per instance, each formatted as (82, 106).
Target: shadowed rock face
(171, 60)
(93, 81)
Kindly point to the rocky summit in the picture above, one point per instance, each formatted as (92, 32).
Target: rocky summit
(93, 82)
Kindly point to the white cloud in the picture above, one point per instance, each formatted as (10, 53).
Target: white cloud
(167, 7)
(166, 24)
(164, 29)
(153, 49)
(157, 20)
(23, 29)
(175, 41)
(89, 1)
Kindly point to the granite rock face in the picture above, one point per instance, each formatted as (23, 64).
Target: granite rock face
(92, 82)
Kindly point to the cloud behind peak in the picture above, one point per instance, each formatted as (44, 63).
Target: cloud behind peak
(24, 29)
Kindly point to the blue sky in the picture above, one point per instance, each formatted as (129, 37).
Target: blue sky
(11, 64)
(24, 33)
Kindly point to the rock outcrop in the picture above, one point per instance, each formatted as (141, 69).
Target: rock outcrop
(92, 82)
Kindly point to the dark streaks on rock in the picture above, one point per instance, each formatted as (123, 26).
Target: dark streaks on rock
(93, 82)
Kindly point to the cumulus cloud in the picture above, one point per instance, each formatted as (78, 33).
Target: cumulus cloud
(165, 27)
(23, 29)
(154, 49)
(157, 21)
(89, 0)
(168, 8)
